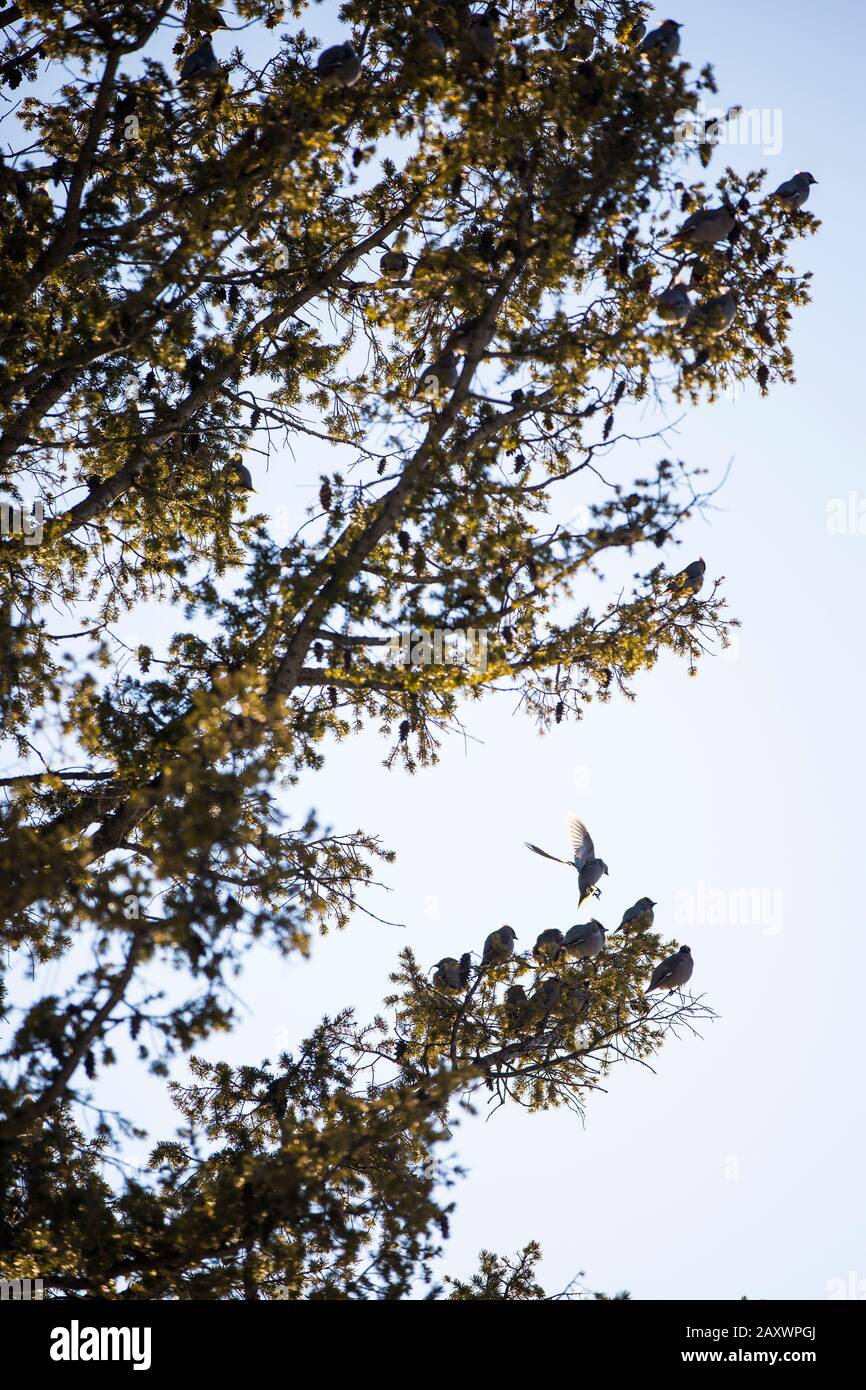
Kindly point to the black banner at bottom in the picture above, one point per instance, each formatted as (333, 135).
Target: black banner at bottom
(63, 1338)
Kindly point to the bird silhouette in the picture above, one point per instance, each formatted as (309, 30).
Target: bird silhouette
(590, 869)
(499, 946)
(794, 192)
(201, 64)
(673, 972)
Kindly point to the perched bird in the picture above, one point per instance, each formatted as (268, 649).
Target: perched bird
(793, 193)
(478, 38)
(394, 264)
(640, 916)
(433, 37)
(201, 65)
(499, 946)
(714, 316)
(239, 476)
(203, 16)
(574, 1001)
(447, 975)
(569, 183)
(462, 339)
(548, 945)
(705, 227)
(674, 972)
(691, 579)
(580, 43)
(589, 868)
(516, 1003)
(663, 42)
(432, 1107)
(631, 32)
(439, 377)
(547, 993)
(673, 304)
(339, 66)
(584, 942)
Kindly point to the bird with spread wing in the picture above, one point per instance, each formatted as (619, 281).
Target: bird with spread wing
(589, 868)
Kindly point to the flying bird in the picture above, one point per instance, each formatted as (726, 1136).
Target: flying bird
(339, 66)
(584, 942)
(201, 64)
(548, 946)
(691, 579)
(499, 946)
(674, 972)
(673, 304)
(589, 868)
(640, 916)
(662, 42)
(394, 264)
(793, 193)
(705, 227)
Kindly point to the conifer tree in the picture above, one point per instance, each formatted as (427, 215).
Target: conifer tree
(440, 252)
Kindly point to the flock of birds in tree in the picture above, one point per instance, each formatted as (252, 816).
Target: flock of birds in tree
(581, 942)
(341, 66)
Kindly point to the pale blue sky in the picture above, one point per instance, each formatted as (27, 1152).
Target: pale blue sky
(746, 778)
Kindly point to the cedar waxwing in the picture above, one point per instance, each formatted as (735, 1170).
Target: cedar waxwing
(204, 17)
(548, 946)
(478, 39)
(630, 32)
(705, 227)
(447, 975)
(663, 42)
(691, 579)
(339, 66)
(574, 1001)
(589, 869)
(201, 65)
(546, 994)
(440, 377)
(673, 304)
(239, 476)
(674, 972)
(584, 942)
(433, 37)
(793, 193)
(640, 916)
(569, 183)
(462, 339)
(516, 1003)
(714, 316)
(580, 43)
(499, 946)
(394, 265)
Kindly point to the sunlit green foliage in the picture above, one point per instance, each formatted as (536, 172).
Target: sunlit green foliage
(192, 283)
